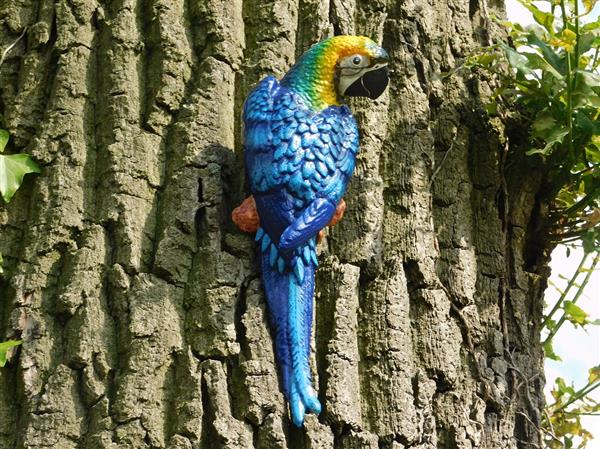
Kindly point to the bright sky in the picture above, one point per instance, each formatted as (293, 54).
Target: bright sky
(578, 348)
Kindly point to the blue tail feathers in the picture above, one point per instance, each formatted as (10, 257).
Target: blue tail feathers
(289, 293)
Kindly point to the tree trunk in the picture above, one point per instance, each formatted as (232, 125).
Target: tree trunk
(140, 304)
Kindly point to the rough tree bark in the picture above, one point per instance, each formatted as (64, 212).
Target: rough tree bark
(140, 304)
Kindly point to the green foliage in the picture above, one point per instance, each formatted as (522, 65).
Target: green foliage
(549, 72)
(562, 420)
(549, 77)
(13, 168)
(4, 347)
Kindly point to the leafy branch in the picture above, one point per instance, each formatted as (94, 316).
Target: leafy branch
(548, 78)
(563, 294)
(563, 416)
(571, 312)
(548, 74)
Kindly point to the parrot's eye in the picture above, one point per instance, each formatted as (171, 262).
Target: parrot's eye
(356, 61)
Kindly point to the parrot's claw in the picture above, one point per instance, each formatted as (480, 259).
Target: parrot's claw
(245, 216)
(339, 213)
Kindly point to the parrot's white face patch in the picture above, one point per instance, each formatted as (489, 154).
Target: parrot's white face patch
(353, 67)
(350, 69)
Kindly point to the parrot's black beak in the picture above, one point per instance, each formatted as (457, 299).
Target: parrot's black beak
(371, 84)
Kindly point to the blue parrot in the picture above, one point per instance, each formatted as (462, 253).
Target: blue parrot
(300, 145)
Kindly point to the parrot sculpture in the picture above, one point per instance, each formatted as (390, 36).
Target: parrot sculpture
(300, 145)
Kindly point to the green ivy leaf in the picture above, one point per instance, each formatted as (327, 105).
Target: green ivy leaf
(491, 108)
(588, 241)
(594, 374)
(548, 52)
(543, 122)
(487, 59)
(574, 313)
(536, 62)
(549, 351)
(585, 125)
(572, 429)
(4, 347)
(555, 135)
(517, 60)
(12, 170)
(563, 388)
(592, 153)
(3, 139)
(545, 19)
(590, 79)
(589, 36)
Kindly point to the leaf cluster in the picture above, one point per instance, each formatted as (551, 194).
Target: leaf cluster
(13, 168)
(549, 76)
(550, 73)
(562, 420)
(569, 310)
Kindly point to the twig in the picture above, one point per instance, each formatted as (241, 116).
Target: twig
(526, 442)
(413, 48)
(534, 425)
(512, 366)
(564, 294)
(11, 46)
(551, 431)
(577, 396)
(595, 58)
(439, 166)
(563, 318)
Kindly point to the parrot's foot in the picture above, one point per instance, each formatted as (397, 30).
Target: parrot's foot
(246, 217)
(337, 216)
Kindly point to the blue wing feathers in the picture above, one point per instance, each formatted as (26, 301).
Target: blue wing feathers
(314, 218)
